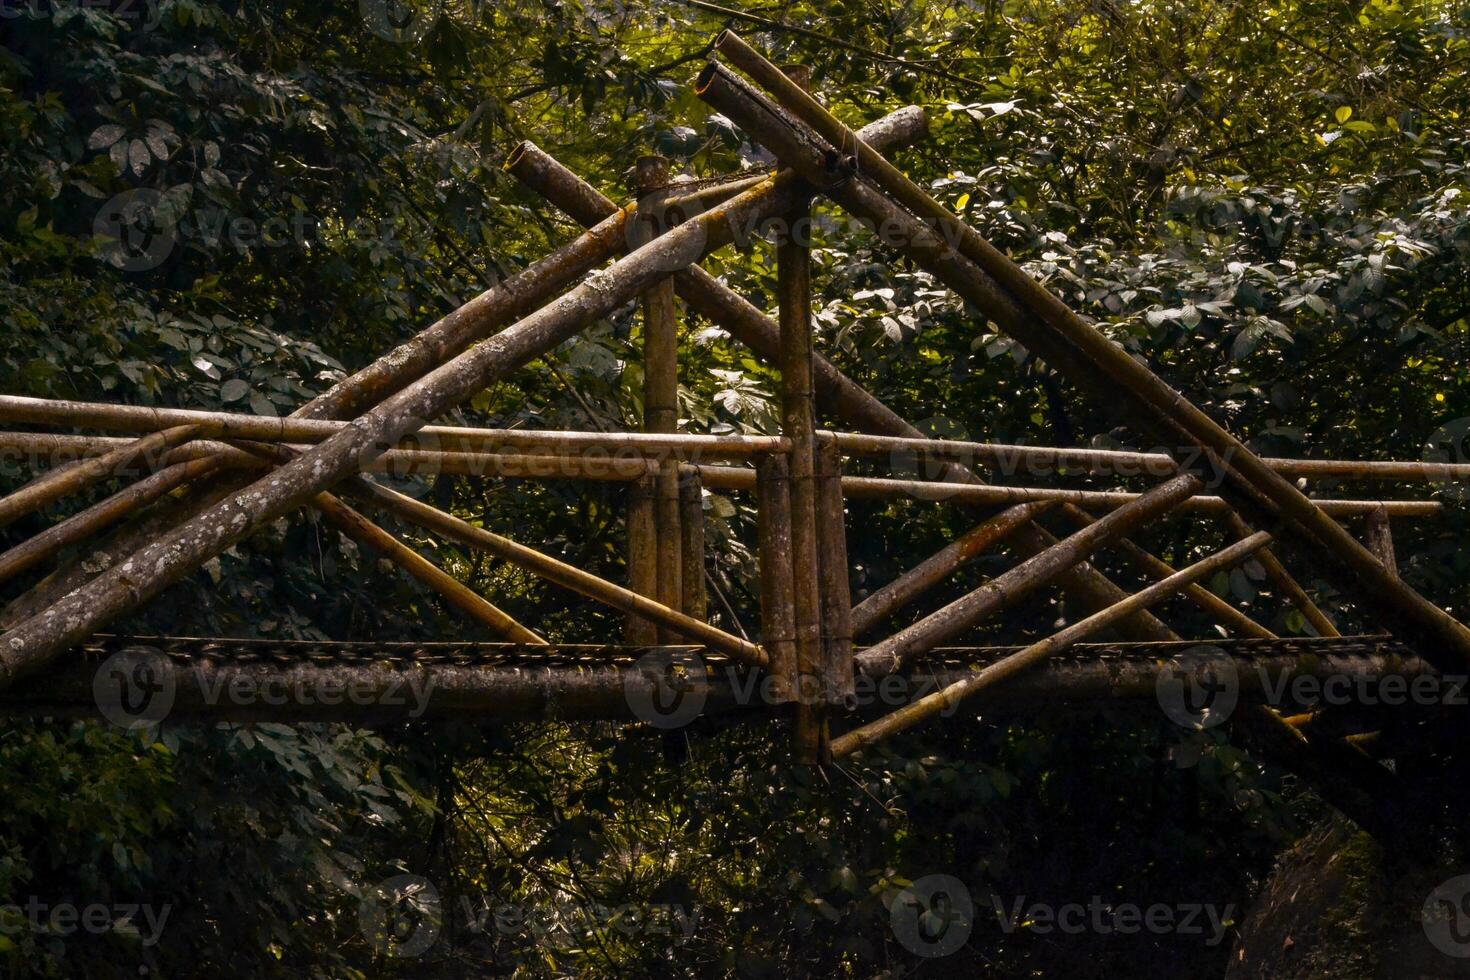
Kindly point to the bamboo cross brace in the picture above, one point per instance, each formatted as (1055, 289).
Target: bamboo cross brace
(962, 614)
(85, 523)
(449, 336)
(74, 479)
(940, 565)
(559, 572)
(933, 704)
(1284, 581)
(357, 527)
(1223, 611)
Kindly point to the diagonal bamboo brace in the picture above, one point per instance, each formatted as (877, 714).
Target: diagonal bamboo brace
(933, 704)
(943, 563)
(964, 613)
(559, 572)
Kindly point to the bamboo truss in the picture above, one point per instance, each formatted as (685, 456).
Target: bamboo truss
(196, 482)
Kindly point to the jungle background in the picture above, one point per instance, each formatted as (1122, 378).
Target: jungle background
(1266, 202)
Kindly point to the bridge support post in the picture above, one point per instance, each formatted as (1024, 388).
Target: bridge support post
(798, 424)
(661, 391)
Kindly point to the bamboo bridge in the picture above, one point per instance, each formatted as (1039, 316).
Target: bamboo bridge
(207, 480)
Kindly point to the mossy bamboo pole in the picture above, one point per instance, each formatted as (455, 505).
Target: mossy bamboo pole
(642, 532)
(692, 538)
(543, 442)
(838, 686)
(951, 696)
(474, 321)
(1378, 536)
(660, 386)
(798, 425)
(913, 583)
(964, 613)
(1260, 490)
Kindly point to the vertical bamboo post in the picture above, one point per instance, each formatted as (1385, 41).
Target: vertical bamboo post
(778, 604)
(838, 687)
(660, 391)
(1378, 536)
(691, 529)
(642, 557)
(799, 424)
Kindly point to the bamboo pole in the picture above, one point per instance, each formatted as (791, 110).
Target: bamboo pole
(838, 686)
(778, 606)
(542, 442)
(1223, 611)
(1285, 582)
(660, 387)
(457, 594)
(74, 479)
(1042, 460)
(798, 425)
(642, 556)
(28, 645)
(962, 614)
(937, 567)
(691, 527)
(1085, 355)
(84, 524)
(558, 572)
(711, 299)
(533, 465)
(1378, 536)
(927, 707)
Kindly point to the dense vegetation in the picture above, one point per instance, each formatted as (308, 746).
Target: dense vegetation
(1265, 202)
